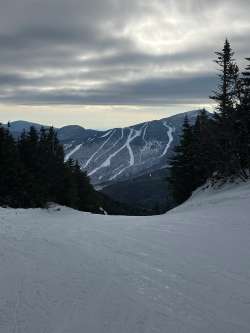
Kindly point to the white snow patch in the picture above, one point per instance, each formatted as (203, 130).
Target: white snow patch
(170, 138)
(73, 151)
(186, 271)
(97, 151)
(132, 135)
(113, 145)
(103, 210)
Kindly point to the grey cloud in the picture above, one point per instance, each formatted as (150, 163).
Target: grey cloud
(61, 43)
(143, 92)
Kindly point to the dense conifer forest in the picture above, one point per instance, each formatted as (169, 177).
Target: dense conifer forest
(33, 173)
(217, 146)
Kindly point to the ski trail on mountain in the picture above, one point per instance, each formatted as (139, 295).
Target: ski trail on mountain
(170, 137)
(131, 154)
(144, 132)
(144, 128)
(72, 152)
(109, 149)
(130, 138)
(95, 153)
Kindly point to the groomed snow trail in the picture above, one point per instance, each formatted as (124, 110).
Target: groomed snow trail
(132, 135)
(170, 138)
(112, 146)
(144, 130)
(72, 152)
(188, 271)
(110, 134)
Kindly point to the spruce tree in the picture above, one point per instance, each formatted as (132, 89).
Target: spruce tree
(51, 162)
(33, 186)
(10, 171)
(69, 196)
(33, 173)
(246, 86)
(182, 176)
(243, 122)
(226, 93)
(226, 156)
(202, 146)
(86, 194)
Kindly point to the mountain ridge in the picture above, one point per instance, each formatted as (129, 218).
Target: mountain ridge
(120, 153)
(129, 164)
(123, 153)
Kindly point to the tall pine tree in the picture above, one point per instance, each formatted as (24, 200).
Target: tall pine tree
(226, 156)
(11, 171)
(182, 175)
(243, 122)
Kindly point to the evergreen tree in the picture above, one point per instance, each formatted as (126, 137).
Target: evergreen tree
(69, 196)
(182, 176)
(220, 144)
(226, 155)
(226, 94)
(243, 122)
(33, 186)
(51, 164)
(33, 173)
(203, 151)
(10, 171)
(86, 194)
(246, 86)
(192, 163)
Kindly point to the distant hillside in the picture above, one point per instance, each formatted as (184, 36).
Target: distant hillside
(129, 164)
(120, 154)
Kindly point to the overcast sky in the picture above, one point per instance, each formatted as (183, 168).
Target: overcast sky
(105, 63)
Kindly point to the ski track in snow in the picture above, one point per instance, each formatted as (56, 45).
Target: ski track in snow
(144, 133)
(72, 152)
(97, 151)
(170, 138)
(187, 271)
(112, 147)
(132, 135)
(144, 128)
(130, 150)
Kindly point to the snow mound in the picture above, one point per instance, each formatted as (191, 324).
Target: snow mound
(186, 271)
(215, 193)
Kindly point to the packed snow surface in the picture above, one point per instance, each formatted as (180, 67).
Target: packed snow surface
(188, 271)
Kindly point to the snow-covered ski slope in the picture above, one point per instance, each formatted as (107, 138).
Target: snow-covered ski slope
(188, 271)
(121, 154)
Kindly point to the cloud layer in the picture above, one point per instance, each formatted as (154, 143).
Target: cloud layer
(115, 52)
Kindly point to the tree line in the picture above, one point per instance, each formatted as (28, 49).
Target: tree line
(217, 145)
(33, 172)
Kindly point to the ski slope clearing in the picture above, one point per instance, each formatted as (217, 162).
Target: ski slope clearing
(170, 136)
(73, 151)
(187, 271)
